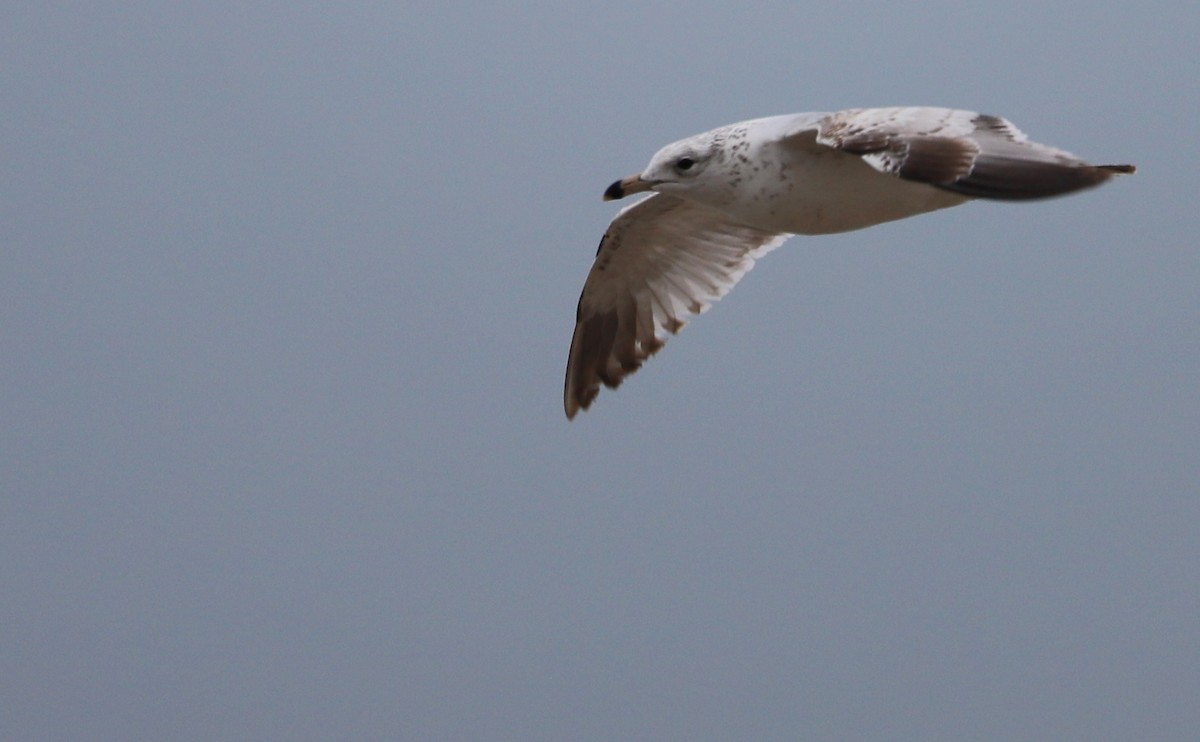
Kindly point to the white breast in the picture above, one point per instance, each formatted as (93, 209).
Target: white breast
(804, 193)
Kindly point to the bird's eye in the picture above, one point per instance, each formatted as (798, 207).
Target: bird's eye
(684, 163)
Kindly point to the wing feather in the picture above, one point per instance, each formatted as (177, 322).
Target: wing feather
(965, 152)
(661, 261)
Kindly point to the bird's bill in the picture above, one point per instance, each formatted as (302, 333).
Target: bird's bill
(627, 186)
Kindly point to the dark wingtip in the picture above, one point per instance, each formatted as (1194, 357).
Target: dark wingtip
(614, 192)
(1119, 168)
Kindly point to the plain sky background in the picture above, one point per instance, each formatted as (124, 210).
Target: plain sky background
(287, 290)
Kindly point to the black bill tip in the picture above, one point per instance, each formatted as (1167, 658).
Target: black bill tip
(614, 192)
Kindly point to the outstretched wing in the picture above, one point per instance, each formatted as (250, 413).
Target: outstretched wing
(969, 153)
(662, 260)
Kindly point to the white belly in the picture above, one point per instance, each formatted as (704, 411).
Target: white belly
(832, 193)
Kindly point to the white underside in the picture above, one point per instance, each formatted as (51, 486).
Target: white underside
(823, 194)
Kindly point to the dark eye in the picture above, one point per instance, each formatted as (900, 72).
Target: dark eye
(684, 163)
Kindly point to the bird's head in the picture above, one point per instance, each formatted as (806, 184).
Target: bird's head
(676, 167)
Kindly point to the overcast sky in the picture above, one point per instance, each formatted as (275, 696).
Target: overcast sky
(287, 294)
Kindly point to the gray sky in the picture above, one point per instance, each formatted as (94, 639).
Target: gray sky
(288, 290)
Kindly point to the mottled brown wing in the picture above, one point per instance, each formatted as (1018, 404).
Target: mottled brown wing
(661, 261)
(969, 153)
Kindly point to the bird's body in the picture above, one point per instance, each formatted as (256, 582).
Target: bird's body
(727, 196)
(780, 181)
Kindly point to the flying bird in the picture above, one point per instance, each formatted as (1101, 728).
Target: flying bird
(721, 199)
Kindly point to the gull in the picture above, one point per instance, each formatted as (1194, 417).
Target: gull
(722, 199)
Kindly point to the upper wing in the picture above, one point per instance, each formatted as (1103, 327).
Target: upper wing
(961, 151)
(661, 260)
